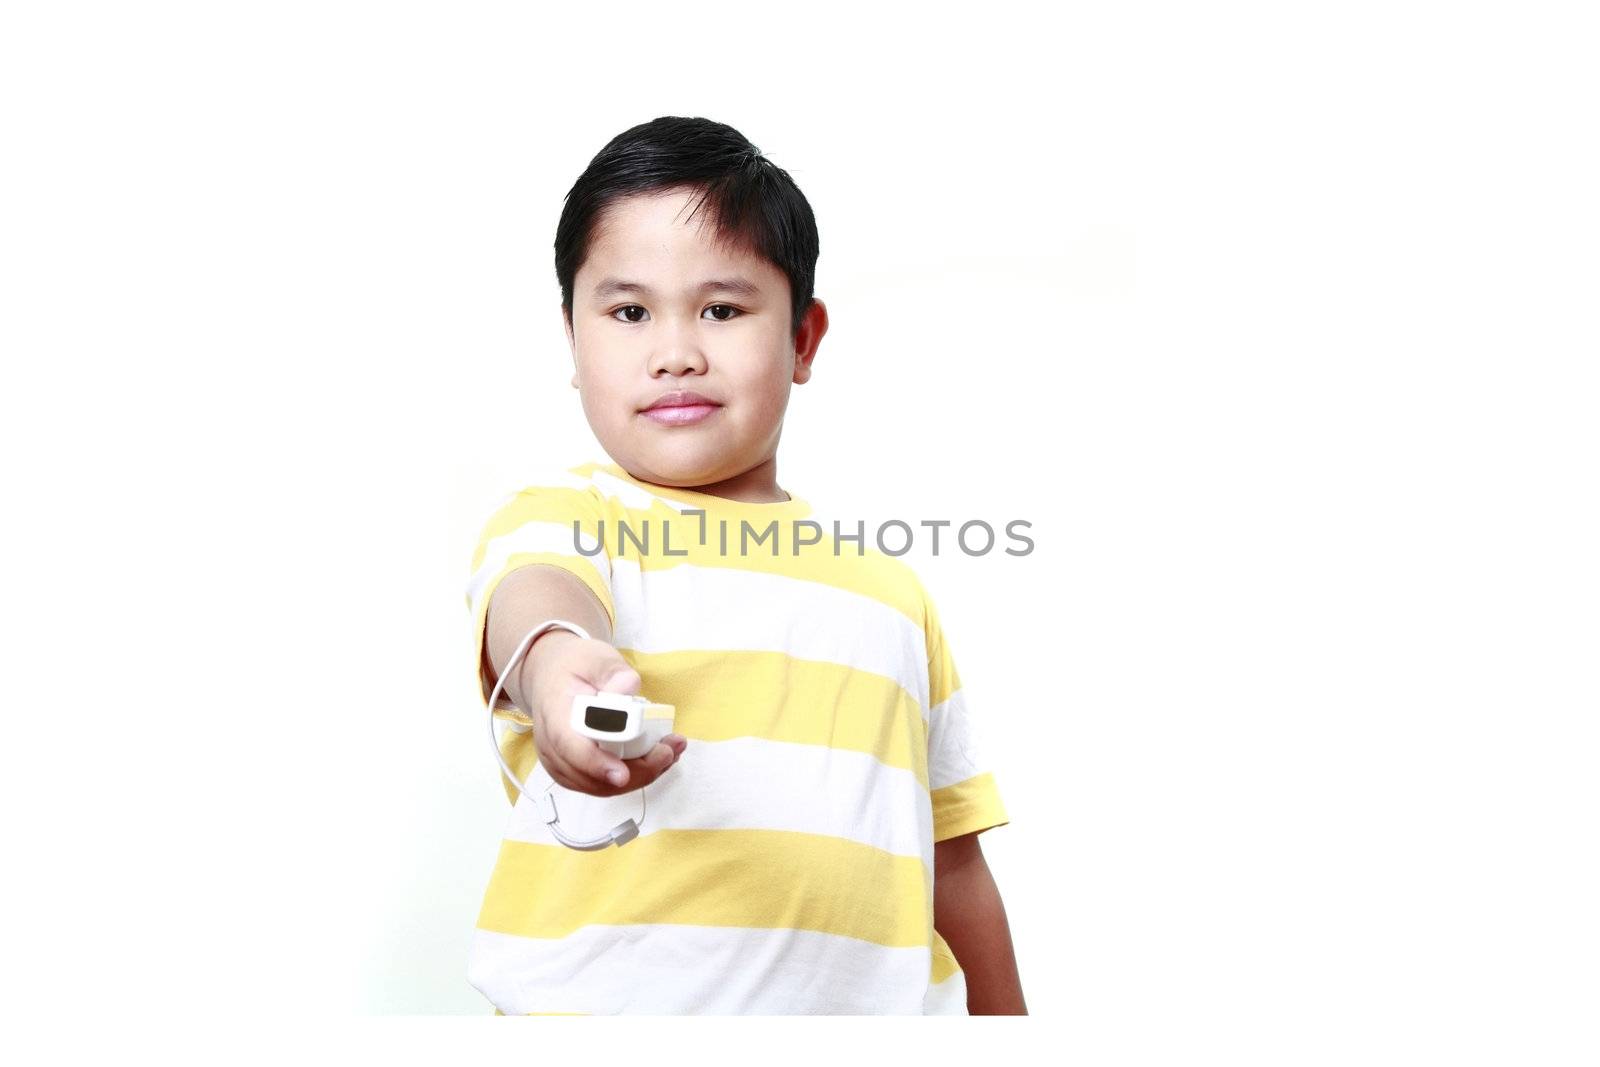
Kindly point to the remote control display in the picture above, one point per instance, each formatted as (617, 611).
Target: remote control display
(608, 719)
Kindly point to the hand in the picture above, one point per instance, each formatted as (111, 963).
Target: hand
(558, 667)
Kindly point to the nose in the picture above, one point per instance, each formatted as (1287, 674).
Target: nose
(677, 350)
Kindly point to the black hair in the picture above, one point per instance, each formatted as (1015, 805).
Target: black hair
(752, 202)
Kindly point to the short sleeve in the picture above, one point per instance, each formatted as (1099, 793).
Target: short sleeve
(554, 524)
(961, 783)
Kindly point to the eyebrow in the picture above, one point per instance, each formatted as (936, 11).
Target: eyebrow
(613, 286)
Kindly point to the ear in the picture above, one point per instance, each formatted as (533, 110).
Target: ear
(812, 326)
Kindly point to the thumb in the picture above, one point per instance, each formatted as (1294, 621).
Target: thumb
(603, 667)
(623, 680)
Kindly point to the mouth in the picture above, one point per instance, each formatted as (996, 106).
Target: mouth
(681, 408)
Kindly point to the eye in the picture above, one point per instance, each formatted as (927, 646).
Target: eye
(628, 318)
(725, 307)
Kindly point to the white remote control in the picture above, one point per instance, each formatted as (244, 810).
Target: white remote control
(626, 725)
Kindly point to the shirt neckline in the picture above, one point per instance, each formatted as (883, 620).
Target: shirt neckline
(795, 507)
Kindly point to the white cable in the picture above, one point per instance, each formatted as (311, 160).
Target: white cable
(620, 834)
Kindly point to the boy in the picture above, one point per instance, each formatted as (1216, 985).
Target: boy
(817, 851)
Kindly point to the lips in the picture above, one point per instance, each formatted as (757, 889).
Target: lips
(680, 398)
(682, 407)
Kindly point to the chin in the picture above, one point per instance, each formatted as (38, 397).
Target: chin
(691, 461)
(680, 474)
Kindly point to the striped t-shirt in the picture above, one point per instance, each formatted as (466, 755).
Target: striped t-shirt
(785, 863)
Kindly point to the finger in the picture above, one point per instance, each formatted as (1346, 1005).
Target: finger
(638, 772)
(589, 765)
(557, 765)
(622, 679)
(650, 766)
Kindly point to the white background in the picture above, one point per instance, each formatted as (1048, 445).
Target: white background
(1278, 324)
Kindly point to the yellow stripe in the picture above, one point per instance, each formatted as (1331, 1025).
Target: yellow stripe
(768, 879)
(944, 961)
(967, 806)
(521, 756)
(943, 680)
(722, 695)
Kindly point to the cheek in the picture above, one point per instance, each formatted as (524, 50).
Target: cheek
(768, 376)
(768, 393)
(599, 400)
(594, 383)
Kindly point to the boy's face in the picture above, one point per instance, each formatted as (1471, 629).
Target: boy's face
(657, 308)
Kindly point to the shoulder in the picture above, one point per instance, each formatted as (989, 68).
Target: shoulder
(545, 493)
(919, 602)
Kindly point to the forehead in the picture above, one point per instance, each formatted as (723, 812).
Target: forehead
(650, 238)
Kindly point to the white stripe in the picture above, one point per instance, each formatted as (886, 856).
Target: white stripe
(751, 783)
(683, 969)
(952, 742)
(692, 607)
(949, 997)
(535, 535)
